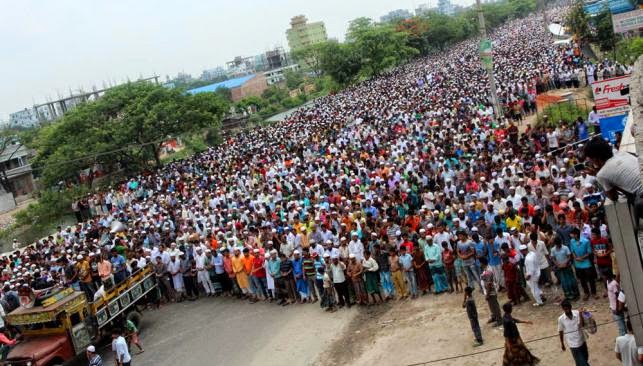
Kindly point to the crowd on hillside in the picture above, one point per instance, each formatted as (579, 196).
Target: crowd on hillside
(398, 187)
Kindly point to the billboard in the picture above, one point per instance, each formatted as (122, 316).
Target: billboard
(612, 101)
(624, 22)
(612, 96)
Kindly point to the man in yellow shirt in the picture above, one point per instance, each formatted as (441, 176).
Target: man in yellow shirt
(240, 272)
(513, 221)
(85, 277)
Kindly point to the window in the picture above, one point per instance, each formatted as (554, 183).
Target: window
(75, 318)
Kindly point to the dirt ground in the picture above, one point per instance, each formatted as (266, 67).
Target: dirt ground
(436, 327)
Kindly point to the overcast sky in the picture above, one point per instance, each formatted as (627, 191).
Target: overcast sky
(50, 47)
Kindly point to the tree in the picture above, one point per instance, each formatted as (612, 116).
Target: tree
(629, 50)
(294, 79)
(308, 57)
(127, 126)
(340, 61)
(417, 29)
(445, 30)
(381, 47)
(605, 36)
(252, 100)
(357, 27)
(224, 93)
(578, 21)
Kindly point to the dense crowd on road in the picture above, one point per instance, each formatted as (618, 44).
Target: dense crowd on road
(401, 186)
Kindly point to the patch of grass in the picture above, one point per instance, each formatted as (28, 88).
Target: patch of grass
(565, 112)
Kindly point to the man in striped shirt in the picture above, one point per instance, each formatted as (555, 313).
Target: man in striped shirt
(93, 357)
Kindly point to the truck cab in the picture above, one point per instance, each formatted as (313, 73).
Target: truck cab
(52, 334)
(59, 328)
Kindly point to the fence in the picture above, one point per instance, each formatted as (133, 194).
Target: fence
(566, 110)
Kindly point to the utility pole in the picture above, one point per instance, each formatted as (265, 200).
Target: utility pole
(543, 8)
(487, 61)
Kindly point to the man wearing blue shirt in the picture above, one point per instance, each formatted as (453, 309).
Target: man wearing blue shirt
(581, 250)
(406, 261)
(118, 267)
(494, 257)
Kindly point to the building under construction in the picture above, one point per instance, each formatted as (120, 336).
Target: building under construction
(52, 110)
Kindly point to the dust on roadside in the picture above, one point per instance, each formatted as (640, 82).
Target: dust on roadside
(436, 327)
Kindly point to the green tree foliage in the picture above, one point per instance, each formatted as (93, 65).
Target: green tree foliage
(381, 48)
(629, 50)
(224, 93)
(274, 94)
(417, 29)
(309, 57)
(371, 47)
(357, 27)
(258, 102)
(341, 61)
(127, 126)
(445, 30)
(294, 79)
(566, 112)
(605, 36)
(578, 21)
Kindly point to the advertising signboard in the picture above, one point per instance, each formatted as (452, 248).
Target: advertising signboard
(485, 53)
(624, 22)
(612, 96)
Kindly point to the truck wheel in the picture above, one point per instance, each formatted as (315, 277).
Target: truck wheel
(135, 317)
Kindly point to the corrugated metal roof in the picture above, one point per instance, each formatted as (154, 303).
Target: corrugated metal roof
(230, 84)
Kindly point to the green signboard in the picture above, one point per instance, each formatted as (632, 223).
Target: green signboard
(485, 53)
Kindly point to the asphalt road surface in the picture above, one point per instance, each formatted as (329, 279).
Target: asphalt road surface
(224, 331)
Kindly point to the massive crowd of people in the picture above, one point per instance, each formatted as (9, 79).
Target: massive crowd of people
(400, 186)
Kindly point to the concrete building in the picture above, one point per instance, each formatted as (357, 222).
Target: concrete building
(240, 87)
(16, 174)
(396, 15)
(29, 117)
(24, 118)
(276, 58)
(54, 109)
(302, 34)
(214, 73)
(625, 224)
(275, 76)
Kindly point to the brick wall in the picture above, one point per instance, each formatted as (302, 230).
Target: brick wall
(254, 86)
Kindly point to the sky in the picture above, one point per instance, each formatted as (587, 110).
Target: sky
(48, 48)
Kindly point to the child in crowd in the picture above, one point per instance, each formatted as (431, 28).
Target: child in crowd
(328, 296)
(472, 314)
(460, 275)
(448, 259)
(132, 335)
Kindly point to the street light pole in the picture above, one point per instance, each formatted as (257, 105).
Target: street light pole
(489, 64)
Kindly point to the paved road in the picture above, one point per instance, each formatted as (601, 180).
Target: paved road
(283, 115)
(225, 331)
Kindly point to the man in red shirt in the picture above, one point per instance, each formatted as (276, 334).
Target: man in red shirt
(602, 250)
(6, 342)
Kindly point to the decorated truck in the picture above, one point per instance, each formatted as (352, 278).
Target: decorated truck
(57, 326)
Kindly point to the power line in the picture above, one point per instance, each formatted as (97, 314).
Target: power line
(502, 348)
